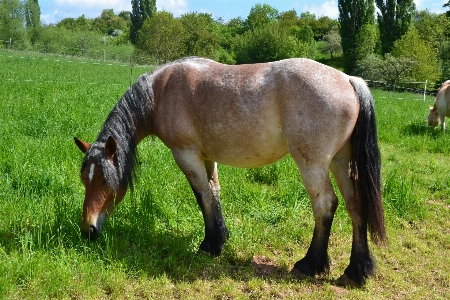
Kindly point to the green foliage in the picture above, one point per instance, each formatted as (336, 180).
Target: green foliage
(320, 26)
(200, 35)
(12, 16)
(109, 22)
(390, 69)
(366, 40)
(260, 16)
(78, 24)
(434, 29)
(353, 15)
(162, 37)
(332, 42)
(394, 20)
(266, 44)
(32, 19)
(141, 10)
(425, 66)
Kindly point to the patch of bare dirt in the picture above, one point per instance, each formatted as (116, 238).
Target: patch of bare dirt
(265, 267)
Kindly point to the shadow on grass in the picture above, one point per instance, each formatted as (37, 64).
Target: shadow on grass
(175, 256)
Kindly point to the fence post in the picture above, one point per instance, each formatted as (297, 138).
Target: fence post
(425, 90)
(131, 70)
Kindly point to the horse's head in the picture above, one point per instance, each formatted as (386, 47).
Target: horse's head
(433, 118)
(100, 177)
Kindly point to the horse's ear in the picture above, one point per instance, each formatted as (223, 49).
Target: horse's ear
(110, 147)
(83, 146)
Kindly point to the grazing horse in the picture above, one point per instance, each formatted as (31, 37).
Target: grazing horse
(441, 107)
(249, 116)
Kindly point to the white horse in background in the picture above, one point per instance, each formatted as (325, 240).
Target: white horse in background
(441, 108)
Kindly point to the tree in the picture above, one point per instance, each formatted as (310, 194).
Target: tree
(288, 19)
(320, 26)
(394, 19)
(261, 15)
(201, 36)
(141, 10)
(333, 44)
(353, 15)
(448, 11)
(78, 24)
(12, 19)
(411, 46)
(306, 36)
(32, 19)
(265, 44)
(109, 22)
(390, 69)
(434, 29)
(366, 41)
(162, 37)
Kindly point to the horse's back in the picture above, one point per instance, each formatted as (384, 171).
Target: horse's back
(248, 115)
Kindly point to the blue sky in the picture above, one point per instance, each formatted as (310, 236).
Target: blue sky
(53, 11)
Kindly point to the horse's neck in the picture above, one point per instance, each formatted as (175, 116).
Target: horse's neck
(137, 103)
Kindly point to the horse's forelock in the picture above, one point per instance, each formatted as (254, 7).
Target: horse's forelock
(107, 167)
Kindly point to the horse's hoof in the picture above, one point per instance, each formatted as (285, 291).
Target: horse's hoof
(347, 282)
(211, 248)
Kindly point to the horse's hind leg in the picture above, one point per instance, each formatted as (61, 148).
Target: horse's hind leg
(324, 203)
(361, 263)
(203, 178)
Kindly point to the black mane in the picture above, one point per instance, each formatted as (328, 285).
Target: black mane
(129, 116)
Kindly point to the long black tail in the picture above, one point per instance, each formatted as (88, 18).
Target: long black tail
(366, 162)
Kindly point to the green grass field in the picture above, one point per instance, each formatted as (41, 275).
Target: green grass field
(148, 247)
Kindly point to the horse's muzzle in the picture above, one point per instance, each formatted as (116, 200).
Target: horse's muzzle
(92, 233)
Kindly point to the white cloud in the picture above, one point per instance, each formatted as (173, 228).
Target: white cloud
(50, 18)
(177, 7)
(328, 8)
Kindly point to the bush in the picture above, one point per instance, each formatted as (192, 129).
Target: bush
(269, 43)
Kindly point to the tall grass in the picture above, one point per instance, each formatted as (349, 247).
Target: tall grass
(148, 247)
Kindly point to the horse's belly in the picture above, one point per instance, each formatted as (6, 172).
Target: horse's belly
(247, 152)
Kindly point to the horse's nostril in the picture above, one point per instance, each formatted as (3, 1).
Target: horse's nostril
(93, 232)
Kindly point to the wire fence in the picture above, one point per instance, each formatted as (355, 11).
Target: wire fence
(130, 68)
(101, 52)
(406, 87)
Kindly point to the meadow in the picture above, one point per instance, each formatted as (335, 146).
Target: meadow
(148, 247)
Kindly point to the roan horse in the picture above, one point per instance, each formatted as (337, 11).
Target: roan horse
(441, 107)
(249, 116)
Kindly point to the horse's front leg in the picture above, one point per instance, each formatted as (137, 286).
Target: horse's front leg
(204, 181)
(442, 119)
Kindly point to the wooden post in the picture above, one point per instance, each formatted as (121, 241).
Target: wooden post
(425, 90)
(131, 70)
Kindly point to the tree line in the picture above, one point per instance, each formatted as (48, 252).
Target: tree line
(398, 43)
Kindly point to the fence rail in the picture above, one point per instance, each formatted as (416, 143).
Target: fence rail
(100, 52)
(410, 87)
